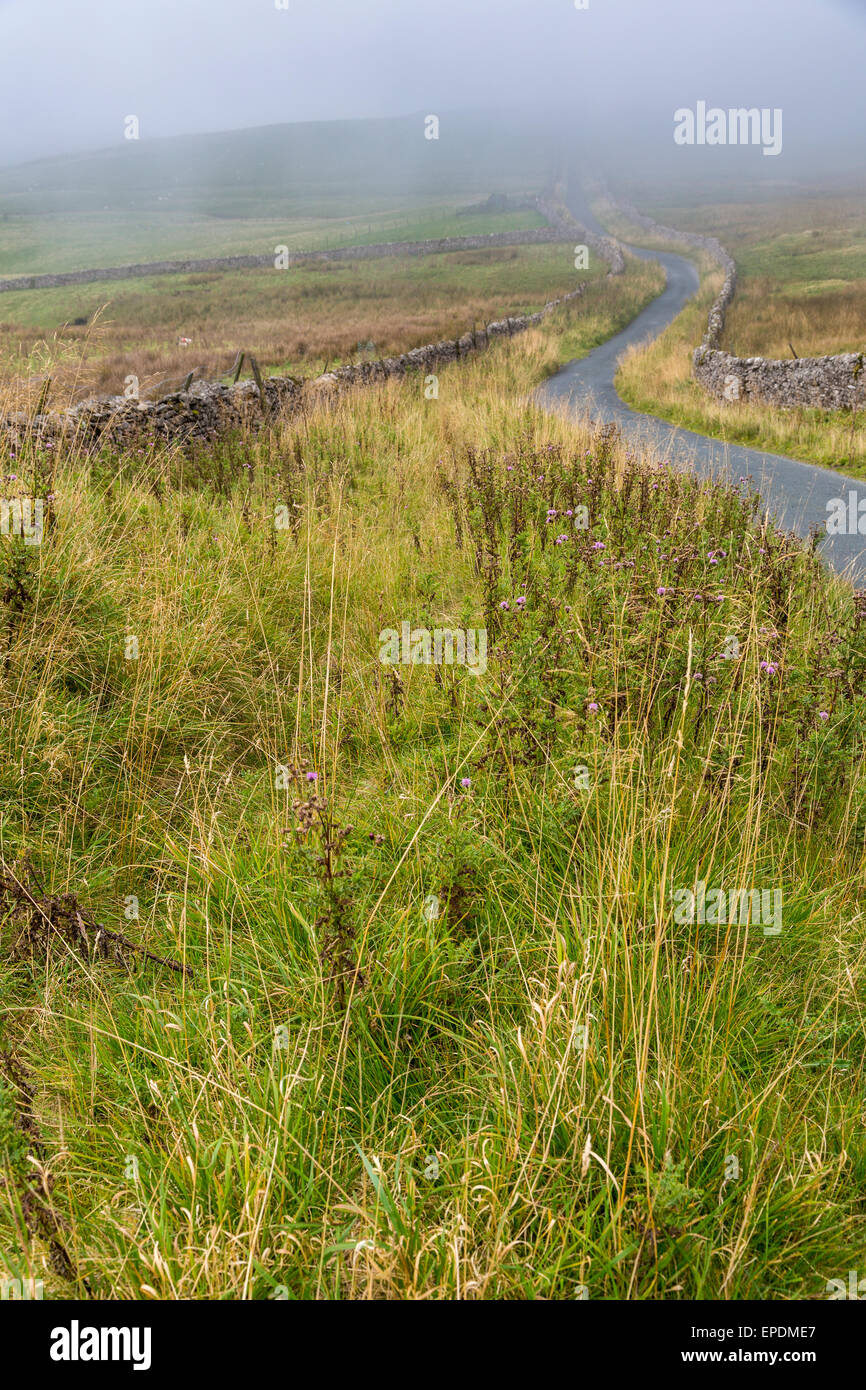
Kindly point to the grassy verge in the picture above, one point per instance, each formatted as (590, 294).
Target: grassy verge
(445, 1032)
(658, 379)
(801, 264)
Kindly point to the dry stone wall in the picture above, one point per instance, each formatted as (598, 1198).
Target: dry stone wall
(825, 383)
(209, 409)
(559, 228)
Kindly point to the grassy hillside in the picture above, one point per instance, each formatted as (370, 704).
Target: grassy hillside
(443, 1032)
(318, 169)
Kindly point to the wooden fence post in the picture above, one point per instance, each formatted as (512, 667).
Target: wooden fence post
(259, 380)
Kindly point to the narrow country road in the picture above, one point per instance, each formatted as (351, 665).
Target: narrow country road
(795, 493)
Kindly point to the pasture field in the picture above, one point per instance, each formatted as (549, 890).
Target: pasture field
(32, 245)
(298, 321)
(445, 1032)
(801, 266)
(304, 186)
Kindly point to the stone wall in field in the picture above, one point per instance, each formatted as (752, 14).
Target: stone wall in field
(825, 383)
(607, 248)
(559, 228)
(694, 242)
(209, 409)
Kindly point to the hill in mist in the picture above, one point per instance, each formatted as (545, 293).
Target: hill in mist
(329, 168)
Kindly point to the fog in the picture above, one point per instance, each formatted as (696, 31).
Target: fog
(608, 77)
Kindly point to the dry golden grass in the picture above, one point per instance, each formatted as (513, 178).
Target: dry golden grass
(765, 321)
(299, 321)
(801, 267)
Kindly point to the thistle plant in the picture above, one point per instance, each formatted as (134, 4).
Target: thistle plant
(322, 842)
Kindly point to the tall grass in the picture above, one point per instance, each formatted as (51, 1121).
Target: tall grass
(539, 1084)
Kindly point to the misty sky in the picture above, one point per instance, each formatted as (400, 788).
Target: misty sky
(71, 72)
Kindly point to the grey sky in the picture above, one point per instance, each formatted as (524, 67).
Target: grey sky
(70, 73)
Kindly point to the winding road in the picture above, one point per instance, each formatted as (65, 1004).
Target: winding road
(795, 493)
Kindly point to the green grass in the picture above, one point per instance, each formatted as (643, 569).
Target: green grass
(550, 1085)
(84, 241)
